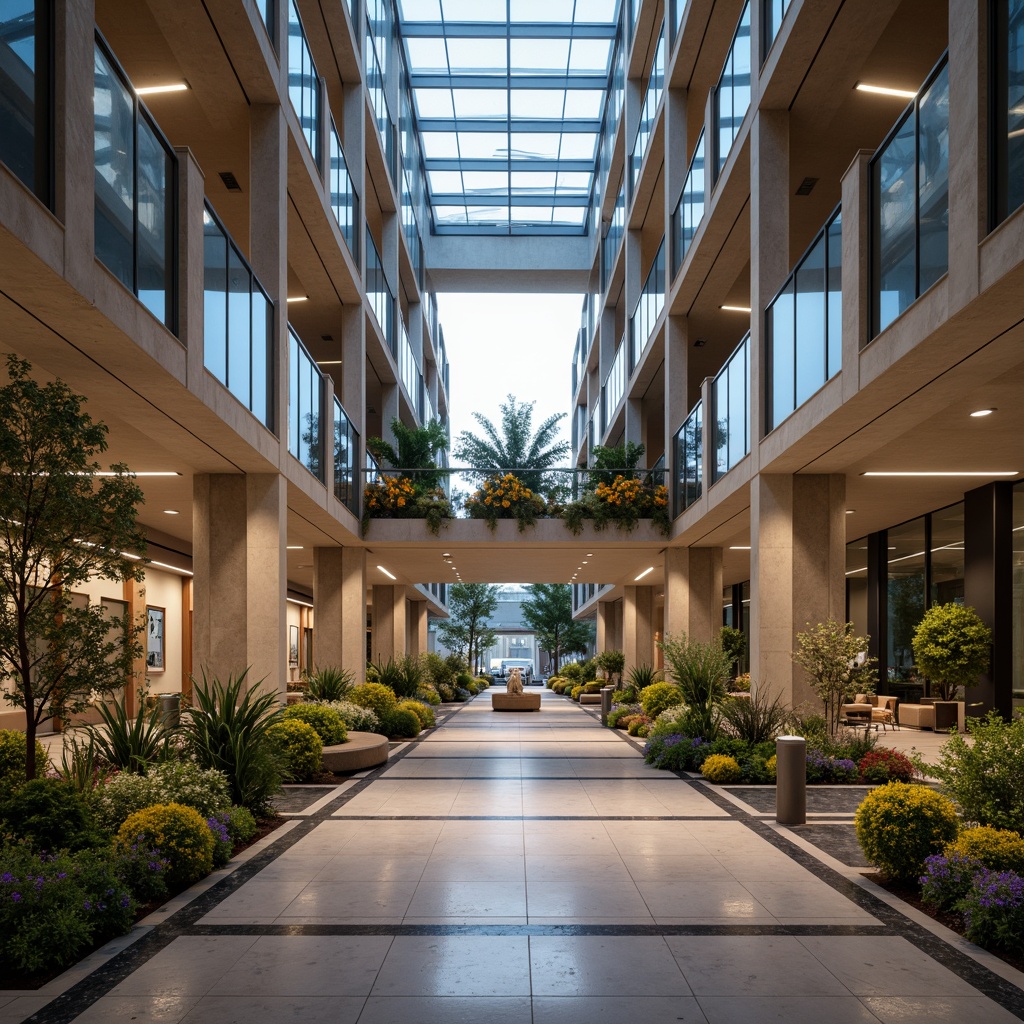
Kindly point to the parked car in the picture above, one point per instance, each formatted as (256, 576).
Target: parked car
(524, 665)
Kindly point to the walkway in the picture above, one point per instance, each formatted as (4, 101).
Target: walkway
(529, 869)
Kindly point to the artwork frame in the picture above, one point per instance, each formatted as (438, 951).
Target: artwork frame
(155, 625)
(293, 646)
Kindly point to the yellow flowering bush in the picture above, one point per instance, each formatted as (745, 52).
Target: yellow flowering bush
(998, 849)
(505, 497)
(396, 497)
(624, 501)
(178, 832)
(721, 768)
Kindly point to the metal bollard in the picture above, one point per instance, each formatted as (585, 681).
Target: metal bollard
(606, 703)
(790, 780)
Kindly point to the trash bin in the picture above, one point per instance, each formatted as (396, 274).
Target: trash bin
(170, 707)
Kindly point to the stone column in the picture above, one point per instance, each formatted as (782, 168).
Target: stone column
(638, 626)
(239, 531)
(693, 592)
(797, 571)
(339, 602)
(418, 618)
(389, 618)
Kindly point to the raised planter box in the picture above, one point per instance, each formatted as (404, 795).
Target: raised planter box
(363, 750)
(515, 702)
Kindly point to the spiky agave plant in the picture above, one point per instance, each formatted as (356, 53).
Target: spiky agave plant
(130, 743)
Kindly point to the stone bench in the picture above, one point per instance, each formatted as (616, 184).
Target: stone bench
(590, 698)
(515, 702)
(362, 750)
(917, 716)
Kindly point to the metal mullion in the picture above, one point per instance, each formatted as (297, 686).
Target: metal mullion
(572, 126)
(420, 80)
(488, 164)
(514, 30)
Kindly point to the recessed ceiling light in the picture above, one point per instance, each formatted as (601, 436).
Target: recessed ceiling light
(850, 511)
(446, 554)
(978, 413)
(171, 512)
(646, 571)
(953, 472)
(735, 309)
(590, 554)
(884, 90)
(150, 90)
(310, 566)
(585, 561)
(294, 547)
(389, 575)
(297, 298)
(739, 547)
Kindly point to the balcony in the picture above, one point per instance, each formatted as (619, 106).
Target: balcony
(346, 460)
(303, 82)
(804, 326)
(379, 294)
(344, 201)
(730, 403)
(305, 407)
(614, 386)
(732, 94)
(238, 322)
(688, 459)
(652, 98)
(648, 308)
(689, 211)
(613, 239)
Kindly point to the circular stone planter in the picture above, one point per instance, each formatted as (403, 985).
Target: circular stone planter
(362, 750)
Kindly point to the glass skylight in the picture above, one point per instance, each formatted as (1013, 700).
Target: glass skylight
(509, 96)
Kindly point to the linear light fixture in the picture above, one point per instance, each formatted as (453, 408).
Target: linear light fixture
(150, 90)
(885, 90)
(735, 309)
(979, 413)
(292, 600)
(294, 547)
(171, 512)
(739, 547)
(953, 472)
(131, 472)
(649, 569)
(328, 362)
(297, 298)
(389, 575)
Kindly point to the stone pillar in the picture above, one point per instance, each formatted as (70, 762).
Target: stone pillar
(601, 634)
(339, 602)
(389, 618)
(638, 626)
(693, 592)
(855, 270)
(797, 571)
(418, 618)
(239, 531)
(191, 208)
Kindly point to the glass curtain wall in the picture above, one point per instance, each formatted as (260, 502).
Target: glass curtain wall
(906, 591)
(731, 403)
(25, 128)
(773, 12)
(1007, 21)
(303, 82)
(688, 460)
(344, 201)
(804, 326)
(237, 322)
(732, 94)
(346, 460)
(655, 87)
(134, 184)
(910, 204)
(614, 386)
(613, 239)
(305, 407)
(690, 210)
(1017, 585)
(266, 11)
(379, 294)
(648, 307)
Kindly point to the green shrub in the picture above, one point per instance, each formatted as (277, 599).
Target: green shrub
(446, 691)
(80, 766)
(424, 712)
(885, 765)
(53, 908)
(226, 729)
(573, 672)
(355, 716)
(721, 768)
(756, 718)
(984, 777)
(674, 719)
(576, 691)
(131, 743)
(616, 715)
(483, 682)
(463, 679)
(403, 724)
(594, 687)
(380, 699)
(461, 695)
(173, 782)
(50, 814)
(642, 676)
(700, 670)
(299, 746)
(428, 694)
(241, 824)
(638, 722)
(952, 646)
(471, 687)
(993, 910)
(659, 696)
(143, 869)
(12, 760)
(223, 844)
(899, 825)
(179, 833)
(995, 848)
(329, 725)
(329, 684)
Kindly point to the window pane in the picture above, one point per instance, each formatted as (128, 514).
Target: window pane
(835, 296)
(215, 300)
(933, 181)
(905, 561)
(262, 333)
(156, 174)
(810, 324)
(781, 328)
(239, 312)
(947, 553)
(20, 109)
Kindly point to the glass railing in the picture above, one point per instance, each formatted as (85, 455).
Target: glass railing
(134, 191)
(238, 322)
(612, 240)
(804, 325)
(688, 456)
(346, 459)
(408, 371)
(344, 201)
(1007, 34)
(597, 425)
(305, 407)
(655, 87)
(773, 13)
(614, 386)
(648, 308)
(380, 29)
(730, 397)
(266, 13)
(732, 94)
(373, 472)
(411, 230)
(303, 82)
(689, 211)
(910, 203)
(379, 294)
(379, 101)
(25, 116)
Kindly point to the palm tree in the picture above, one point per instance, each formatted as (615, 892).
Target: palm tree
(418, 448)
(514, 447)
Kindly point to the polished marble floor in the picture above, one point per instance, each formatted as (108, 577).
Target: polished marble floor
(530, 869)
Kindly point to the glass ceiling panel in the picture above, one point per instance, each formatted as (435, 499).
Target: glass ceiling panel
(487, 76)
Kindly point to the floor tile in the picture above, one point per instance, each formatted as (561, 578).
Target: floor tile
(478, 965)
(786, 1010)
(446, 1010)
(617, 1010)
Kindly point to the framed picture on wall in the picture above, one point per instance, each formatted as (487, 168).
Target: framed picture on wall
(154, 639)
(293, 645)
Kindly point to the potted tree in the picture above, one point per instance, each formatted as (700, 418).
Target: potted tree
(952, 647)
(613, 663)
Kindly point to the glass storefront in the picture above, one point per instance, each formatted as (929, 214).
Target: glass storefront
(1017, 590)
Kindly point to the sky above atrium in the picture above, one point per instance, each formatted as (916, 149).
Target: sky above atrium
(509, 97)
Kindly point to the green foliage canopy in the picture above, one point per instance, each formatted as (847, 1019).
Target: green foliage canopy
(466, 631)
(951, 647)
(548, 612)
